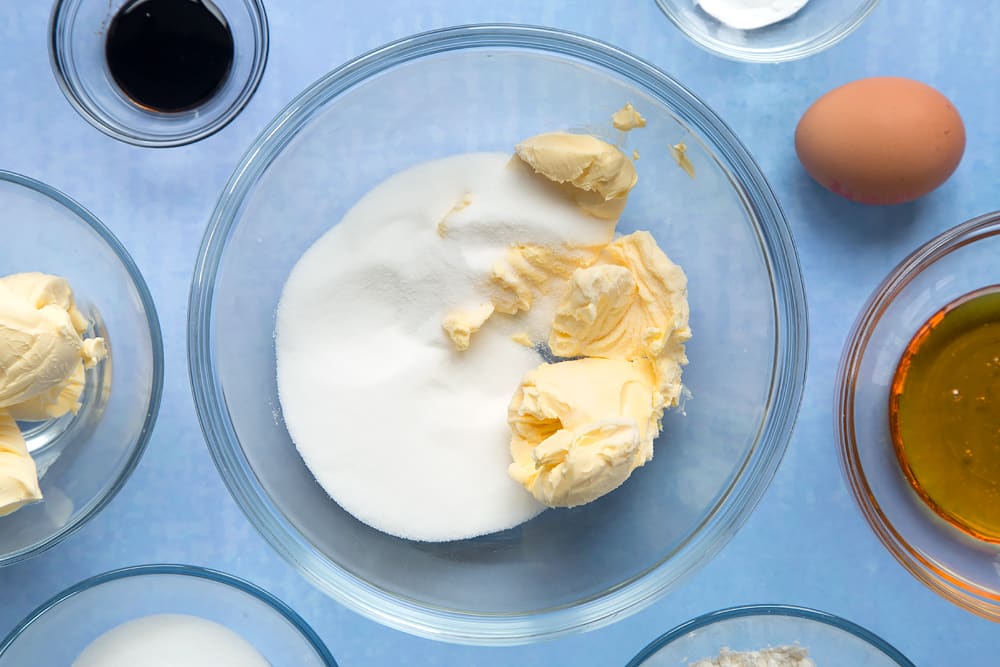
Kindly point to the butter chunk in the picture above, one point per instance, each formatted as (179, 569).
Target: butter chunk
(43, 357)
(630, 304)
(55, 402)
(18, 475)
(527, 271)
(40, 337)
(522, 338)
(579, 428)
(627, 118)
(462, 323)
(598, 174)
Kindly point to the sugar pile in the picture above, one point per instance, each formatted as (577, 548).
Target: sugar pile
(403, 431)
(168, 640)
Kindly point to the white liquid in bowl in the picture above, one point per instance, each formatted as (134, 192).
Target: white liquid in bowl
(170, 640)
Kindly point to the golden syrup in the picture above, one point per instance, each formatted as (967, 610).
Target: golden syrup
(944, 412)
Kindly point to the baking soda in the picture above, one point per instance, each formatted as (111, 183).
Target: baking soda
(751, 14)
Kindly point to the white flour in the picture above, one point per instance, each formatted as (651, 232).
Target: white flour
(751, 14)
(169, 640)
(782, 656)
(403, 431)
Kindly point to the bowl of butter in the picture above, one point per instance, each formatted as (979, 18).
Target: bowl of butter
(81, 367)
(504, 361)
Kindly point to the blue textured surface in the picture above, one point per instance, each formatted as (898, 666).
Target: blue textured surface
(806, 544)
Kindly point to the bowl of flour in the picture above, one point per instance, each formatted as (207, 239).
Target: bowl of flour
(769, 636)
(356, 402)
(767, 31)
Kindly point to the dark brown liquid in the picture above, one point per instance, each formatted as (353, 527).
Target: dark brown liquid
(169, 55)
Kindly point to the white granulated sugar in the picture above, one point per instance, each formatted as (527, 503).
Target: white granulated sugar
(751, 14)
(169, 640)
(781, 656)
(403, 431)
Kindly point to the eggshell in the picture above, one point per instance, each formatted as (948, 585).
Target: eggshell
(884, 140)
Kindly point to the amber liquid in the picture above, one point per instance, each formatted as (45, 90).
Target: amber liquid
(944, 411)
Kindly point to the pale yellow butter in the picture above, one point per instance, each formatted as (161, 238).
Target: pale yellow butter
(630, 304)
(522, 338)
(18, 475)
(627, 118)
(55, 402)
(462, 323)
(43, 357)
(599, 174)
(679, 151)
(581, 427)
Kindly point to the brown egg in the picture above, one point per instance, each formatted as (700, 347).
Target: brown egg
(884, 140)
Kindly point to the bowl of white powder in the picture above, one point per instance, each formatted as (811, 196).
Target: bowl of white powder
(436, 457)
(164, 616)
(769, 636)
(767, 31)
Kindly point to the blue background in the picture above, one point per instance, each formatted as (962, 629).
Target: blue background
(806, 543)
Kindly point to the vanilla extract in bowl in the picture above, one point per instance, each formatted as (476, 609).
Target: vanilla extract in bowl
(944, 410)
(169, 55)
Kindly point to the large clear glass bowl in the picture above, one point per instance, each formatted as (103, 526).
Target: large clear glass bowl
(817, 26)
(958, 567)
(83, 459)
(484, 88)
(829, 639)
(56, 632)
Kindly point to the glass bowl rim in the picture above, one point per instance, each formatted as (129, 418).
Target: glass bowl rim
(821, 42)
(136, 137)
(950, 588)
(156, 342)
(788, 374)
(171, 569)
(791, 611)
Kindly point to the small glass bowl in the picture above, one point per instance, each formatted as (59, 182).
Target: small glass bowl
(829, 639)
(951, 563)
(491, 86)
(56, 632)
(817, 26)
(76, 46)
(83, 459)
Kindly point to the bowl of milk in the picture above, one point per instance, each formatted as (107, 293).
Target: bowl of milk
(164, 616)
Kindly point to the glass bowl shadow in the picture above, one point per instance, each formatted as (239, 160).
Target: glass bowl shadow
(958, 567)
(477, 88)
(829, 639)
(84, 459)
(817, 26)
(56, 632)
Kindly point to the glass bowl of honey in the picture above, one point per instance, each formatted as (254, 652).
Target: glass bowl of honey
(917, 414)
(158, 73)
